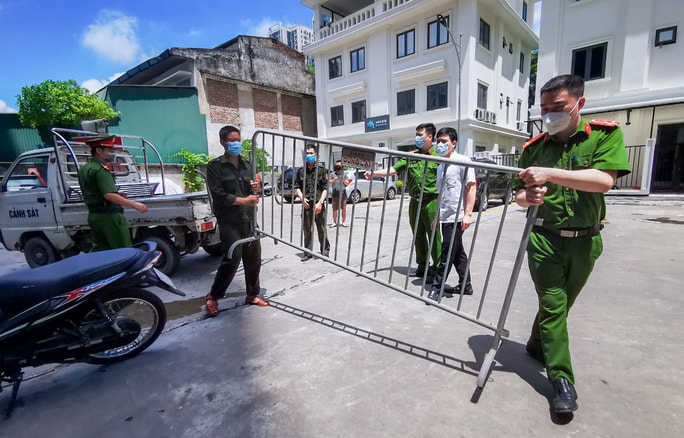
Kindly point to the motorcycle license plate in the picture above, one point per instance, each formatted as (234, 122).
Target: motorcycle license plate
(164, 278)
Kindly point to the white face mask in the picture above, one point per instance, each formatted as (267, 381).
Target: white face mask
(555, 122)
(442, 149)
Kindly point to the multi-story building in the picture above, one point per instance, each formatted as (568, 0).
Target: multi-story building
(385, 66)
(631, 59)
(295, 36)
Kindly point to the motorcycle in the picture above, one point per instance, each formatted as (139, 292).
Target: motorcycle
(92, 308)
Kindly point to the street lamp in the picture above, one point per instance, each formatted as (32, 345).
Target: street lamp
(443, 21)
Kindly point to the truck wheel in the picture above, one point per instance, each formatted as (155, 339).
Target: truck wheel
(214, 250)
(39, 252)
(170, 259)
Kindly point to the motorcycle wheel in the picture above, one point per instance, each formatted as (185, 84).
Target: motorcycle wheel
(137, 304)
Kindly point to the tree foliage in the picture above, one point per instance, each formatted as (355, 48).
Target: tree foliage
(60, 103)
(192, 180)
(261, 156)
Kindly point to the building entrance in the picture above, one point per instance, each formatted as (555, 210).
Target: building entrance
(668, 167)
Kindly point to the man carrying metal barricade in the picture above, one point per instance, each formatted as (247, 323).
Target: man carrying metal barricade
(311, 186)
(570, 167)
(456, 203)
(422, 186)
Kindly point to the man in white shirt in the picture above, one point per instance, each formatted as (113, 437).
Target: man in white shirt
(457, 187)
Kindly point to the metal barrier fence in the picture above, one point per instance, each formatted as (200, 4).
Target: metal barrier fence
(376, 246)
(635, 154)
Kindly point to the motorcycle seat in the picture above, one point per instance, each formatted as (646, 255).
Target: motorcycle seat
(23, 289)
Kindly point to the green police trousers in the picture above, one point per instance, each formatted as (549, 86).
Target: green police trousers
(423, 231)
(109, 231)
(560, 267)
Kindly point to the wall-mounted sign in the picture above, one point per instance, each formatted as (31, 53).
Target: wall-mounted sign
(379, 123)
(358, 159)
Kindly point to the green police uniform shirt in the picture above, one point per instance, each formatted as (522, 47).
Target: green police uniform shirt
(95, 181)
(594, 145)
(416, 169)
(317, 181)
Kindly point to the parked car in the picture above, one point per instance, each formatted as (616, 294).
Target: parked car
(357, 190)
(285, 186)
(491, 185)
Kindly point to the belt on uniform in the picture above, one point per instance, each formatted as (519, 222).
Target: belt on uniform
(590, 231)
(426, 197)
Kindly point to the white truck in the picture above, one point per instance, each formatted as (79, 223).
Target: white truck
(42, 211)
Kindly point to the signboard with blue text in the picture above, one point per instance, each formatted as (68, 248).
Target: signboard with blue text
(379, 123)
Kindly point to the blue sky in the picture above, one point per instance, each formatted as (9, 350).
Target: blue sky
(92, 42)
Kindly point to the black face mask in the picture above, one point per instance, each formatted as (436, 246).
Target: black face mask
(338, 168)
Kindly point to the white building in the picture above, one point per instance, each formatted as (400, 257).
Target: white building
(630, 55)
(385, 66)
(296, 36)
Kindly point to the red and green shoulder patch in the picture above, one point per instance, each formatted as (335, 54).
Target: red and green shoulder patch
(533, 140)
(607, 123)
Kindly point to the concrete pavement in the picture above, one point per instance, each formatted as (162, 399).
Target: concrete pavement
(337, 355)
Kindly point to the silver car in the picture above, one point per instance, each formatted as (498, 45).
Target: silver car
(358, 187)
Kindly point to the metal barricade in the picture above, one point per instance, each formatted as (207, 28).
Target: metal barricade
(375, 246)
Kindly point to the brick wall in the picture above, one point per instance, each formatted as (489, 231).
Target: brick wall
(223, 102)
(292, 112)
(265, 109)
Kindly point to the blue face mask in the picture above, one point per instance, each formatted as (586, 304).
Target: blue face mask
(310, 158)
(420, 142)
(442, 149)
(234, 147)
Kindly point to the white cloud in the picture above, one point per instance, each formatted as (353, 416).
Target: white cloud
(260, 28)
(113, 37)
(94, 85)
(4, 108)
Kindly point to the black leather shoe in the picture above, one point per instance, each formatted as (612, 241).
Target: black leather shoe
(419, 272)
(564, 396)
(307, 257)
(456, 290)
(535, 352)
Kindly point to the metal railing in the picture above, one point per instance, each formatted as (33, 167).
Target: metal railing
(376, 246)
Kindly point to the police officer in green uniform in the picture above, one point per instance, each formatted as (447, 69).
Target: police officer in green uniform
(313, 180)
(567, 171)
(108, 226)
(425, 215)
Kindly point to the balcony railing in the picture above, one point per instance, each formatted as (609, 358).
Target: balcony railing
(358, 17)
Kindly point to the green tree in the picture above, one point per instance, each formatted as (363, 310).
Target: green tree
(192, 180)
(261, 156)
(60, 103)
(533, 77)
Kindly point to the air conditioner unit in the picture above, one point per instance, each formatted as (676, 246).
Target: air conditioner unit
(488, 116)
(480, 114)
(520, 126)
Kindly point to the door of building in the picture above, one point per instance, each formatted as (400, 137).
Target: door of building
(668, 166)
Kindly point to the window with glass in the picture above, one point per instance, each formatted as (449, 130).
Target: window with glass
(590, 62)
(484, 34)
(666, 35)
(358, 111)
(406, 102)
(335, 67)
(406, 43)
(522, 63)
(357, 59)
(482, 96)
(524, 11)
(438, 33)
(518, 113)
(29, 173)
(437, 96)
(337, 115)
